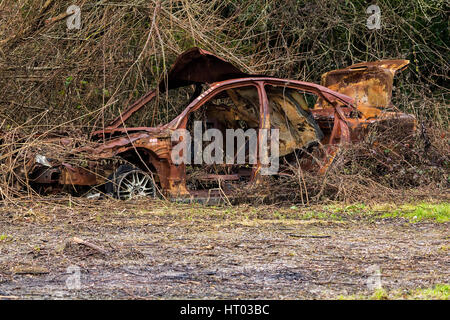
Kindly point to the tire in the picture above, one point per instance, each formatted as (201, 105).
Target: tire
(112, 179)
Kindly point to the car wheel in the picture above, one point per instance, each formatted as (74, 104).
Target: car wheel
(134, 184)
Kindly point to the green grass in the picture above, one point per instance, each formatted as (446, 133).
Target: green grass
(5, 237)
(414, 212)
(438, 292)
(424, 211)
(434, 212)
(379, 294)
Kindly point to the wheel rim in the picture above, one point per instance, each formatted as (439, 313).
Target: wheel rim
(135, 184)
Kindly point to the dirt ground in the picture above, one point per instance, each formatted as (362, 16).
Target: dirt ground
(160, 250)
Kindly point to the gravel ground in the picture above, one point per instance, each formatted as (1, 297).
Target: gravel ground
(159, 250)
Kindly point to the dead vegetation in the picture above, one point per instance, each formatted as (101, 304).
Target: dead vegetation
(53, 79)
(51, 75)
(383, 167)
(56, 82)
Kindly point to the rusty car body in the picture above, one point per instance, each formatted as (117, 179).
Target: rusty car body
(341, 110)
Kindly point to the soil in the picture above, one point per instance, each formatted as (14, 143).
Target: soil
(161, 250)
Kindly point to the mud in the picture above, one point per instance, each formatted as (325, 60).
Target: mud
(158, 250)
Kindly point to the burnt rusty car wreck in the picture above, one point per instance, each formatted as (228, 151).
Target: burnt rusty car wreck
(127, 161)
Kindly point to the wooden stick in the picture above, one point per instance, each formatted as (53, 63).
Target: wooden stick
(90, 245)
(9, 297)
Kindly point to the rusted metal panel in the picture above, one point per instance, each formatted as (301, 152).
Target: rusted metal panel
(199, 66)
(77, 176)
(369, 83)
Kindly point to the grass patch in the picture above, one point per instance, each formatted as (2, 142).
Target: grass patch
(5, 237)
(423, 211)
(438, 292)
(436, 212)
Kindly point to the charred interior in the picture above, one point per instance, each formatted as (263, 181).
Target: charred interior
(230, 109)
